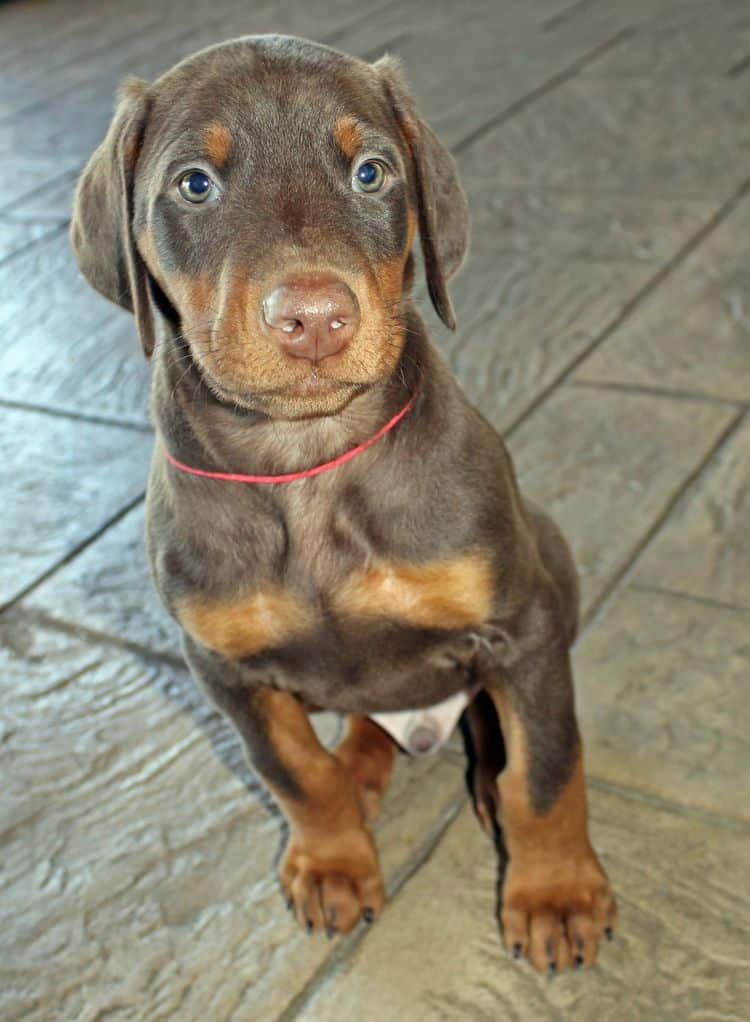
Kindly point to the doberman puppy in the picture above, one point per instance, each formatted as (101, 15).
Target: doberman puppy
(259, 201)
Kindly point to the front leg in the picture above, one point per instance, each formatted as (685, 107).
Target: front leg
(329, 871)
(556, 898)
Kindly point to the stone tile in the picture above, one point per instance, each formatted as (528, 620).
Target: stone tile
(637, 135)
(108, 588)
(577, 225)
(25, 173)
(704, 548)
(605, 465)
(64, 346)
(64, 480)
(138, 853)
(661, 690)
(15, 236)
(682, 40)
(693, 333)
(680, 953)
(51, 202)
(522, 320)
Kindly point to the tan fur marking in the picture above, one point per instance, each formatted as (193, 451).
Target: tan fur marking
(329, 871)
(217, 141)
(368, 753)
(453, 593)
(553, 874)
(348, 135)
(242, 627)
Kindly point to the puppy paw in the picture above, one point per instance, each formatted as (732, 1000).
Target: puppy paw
(556, 911)
(330, 882)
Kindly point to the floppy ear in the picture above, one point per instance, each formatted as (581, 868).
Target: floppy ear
(101, 231)
(443, 209)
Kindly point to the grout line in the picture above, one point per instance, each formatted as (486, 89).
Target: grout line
(631, 305)
(385, 47)
(43, 618)
(564, 15)
(361, 19)
(62, 561)
(705, 601)
(53, 182)
(62, 413)
(168, 40)
(739, 68)
(552, 83)
(53, 232)
(712, 816)
(342, 954)
(646, 391)
(623, 573)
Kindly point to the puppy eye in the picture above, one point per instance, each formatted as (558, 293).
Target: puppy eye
(196, 187)
(370, 177)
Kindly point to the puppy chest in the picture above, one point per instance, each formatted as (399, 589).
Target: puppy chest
(444, 595)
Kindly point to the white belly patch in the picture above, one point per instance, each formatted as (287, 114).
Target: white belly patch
(421, 732)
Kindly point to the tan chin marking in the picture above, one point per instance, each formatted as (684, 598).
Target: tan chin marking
(454, 593)
(247, 625)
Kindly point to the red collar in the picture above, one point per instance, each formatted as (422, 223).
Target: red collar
(290, 477)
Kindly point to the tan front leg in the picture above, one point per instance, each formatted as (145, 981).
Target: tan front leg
(556, 900)
(329, 871)
(368, 753)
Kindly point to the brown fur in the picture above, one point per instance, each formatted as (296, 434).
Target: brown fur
(411, 573)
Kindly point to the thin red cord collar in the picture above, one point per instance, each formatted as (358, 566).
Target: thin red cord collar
(290, 477)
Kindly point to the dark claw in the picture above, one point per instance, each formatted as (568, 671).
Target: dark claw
(551, 969)
(290, 904)
(368, 914)
(516, 950)
(578, 962)
(330, 932)
(608, 933)
(309, 926)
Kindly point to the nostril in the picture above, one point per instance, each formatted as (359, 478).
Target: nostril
(290, 326)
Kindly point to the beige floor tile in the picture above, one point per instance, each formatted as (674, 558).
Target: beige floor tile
(704, 549)
(638, 135)
(693, 334)
(680, 954)
(522, 320)
(138, 870)
(661, 685)
(605, 465)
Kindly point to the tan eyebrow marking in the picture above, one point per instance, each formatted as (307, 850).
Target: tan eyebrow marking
(217, 141)
(348, 135)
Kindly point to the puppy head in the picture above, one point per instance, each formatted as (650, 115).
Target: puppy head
(262, 197)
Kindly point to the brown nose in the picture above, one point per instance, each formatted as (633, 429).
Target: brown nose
(312, 316)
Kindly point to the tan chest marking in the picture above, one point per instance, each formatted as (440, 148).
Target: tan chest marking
(455, 593)
(241, 627)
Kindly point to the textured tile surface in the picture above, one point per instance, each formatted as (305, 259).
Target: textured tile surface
(693, 334)
(680, 954)
(109, 589)
(138, 869)
(661, 685)
(606, 465)
(56, 492)
(705, 547)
